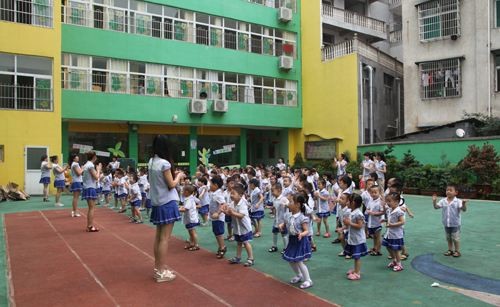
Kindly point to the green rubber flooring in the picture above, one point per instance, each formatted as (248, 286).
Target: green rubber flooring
(379, 286)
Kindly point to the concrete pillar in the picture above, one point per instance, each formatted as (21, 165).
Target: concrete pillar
(243, 147)
(193, 150)
(133, 142)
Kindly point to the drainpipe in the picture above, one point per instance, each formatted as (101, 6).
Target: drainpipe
(370, 76)
(362, 104)
(489, 59)
(398, 80)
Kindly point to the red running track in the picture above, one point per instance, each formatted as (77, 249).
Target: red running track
(54, 262)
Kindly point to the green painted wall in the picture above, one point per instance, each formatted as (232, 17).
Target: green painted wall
(65, 142)
(135, 108)
(243, 147)
(431, 152)
(133, 143)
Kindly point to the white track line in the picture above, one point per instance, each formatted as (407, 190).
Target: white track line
(10, 284)
(199, 287)
(96, 279)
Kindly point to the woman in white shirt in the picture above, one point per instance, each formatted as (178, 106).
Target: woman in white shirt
(45, 168)
(163, 180)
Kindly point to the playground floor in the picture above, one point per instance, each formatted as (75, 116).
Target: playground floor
(49, 260)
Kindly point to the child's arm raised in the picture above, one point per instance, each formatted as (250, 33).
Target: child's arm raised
(435, 202)
(464, 205)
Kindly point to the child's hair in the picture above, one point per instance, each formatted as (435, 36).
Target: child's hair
(238, 188)
(374, 188)
(119, 171)
(217, 180)
(368, 154)
(72, 158)
(397, 183)
(203, 180)
(300, 199)
(254, 182)
(374, 176)
(452, 185)
(322, 181)
(53, 159)
(346, 179)
(344, 156)
(43, 157)
(90, 155)
(395, 196)
(369, 180)
(134, 176)
(381, 156)
(189, 188)
(356, 200)
(142, 170)
(277, 186)
(308, 187)
(251, 171)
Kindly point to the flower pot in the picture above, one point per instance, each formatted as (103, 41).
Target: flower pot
(411, 190)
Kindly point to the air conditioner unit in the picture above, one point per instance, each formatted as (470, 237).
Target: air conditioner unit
(197, 106)
(220, 106)
(286, 62)
(285, 14)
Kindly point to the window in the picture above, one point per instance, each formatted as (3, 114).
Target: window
(440, 79)
(388, 89)
(25, 82)
(497, 12)
(438, 19)
(33, 12)
(497, 73)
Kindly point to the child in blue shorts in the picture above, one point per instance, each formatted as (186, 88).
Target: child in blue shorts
(135, 199)
(256, 206)
(190, 216)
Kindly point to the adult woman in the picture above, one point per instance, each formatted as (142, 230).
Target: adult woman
(45, 176)
(341, 165)
(164, 198)
(368, 166)
(281, 165)
(91, 174)
(77, 184)
(381, 169)
(114, 164)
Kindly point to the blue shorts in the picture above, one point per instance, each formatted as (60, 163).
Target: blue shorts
(228, 219)
(218, 228)
(98, 190)
(277, 230)
(192, 225)
(143, 194)
(148, 203)
(116, 195)
(136, 203)
(243, 238)
(374, 230)
(257, 215)
(121, 196)
(106, 192)
(323, 214)
(203, 210)
(59, 184)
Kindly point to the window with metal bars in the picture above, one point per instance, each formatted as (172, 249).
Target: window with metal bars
(440, 79)
(33, 12)
(439, 19)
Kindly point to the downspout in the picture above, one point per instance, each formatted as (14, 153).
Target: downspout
(398, 99)
(362, 104)
(370, 76)
(489, 59)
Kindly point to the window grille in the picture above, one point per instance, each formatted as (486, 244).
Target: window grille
(440, 79)
(438, 19)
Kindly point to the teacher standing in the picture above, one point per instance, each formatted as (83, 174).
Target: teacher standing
(164, 199)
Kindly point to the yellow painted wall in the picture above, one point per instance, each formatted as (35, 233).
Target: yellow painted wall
(329, 91)
(22, 128)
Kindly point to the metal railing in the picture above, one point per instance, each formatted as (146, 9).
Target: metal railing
(22, 97)
(36, 12)
(354, 18)
(396, 36)
(356, 46)
(394, 3)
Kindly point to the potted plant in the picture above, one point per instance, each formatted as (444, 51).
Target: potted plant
(483, 162)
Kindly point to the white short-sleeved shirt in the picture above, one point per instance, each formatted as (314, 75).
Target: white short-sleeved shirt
(341, 165)
(393, 217)
(281, 205)
(159, 191)
(323, 204)
(190, 216)
(294, 222)
(57, 174)
(344, 212)
(379, 165)
(121, 189)
(287, 191)
(254, 200)
(216, 200)
(76, 178)
(88, 180)
(205, 199)
(451, 212)
(356, 236)
(106, 183)
(135, 190)
(44, 168)
(244, 225)
(367, 167)
(114, 165)
(374, 205)
(365, 196)
(142, 180)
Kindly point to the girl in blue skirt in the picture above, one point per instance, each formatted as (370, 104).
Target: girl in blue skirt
(45, 176)
(394, 236)
(91, 174)
(299, 245)
(356, 241)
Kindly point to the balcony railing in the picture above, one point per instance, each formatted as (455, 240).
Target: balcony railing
(356, 46)
(394, 4)
(396, 36)
(21, 97)
(36, 12)
(354, 19)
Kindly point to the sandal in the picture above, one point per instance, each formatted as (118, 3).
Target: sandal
(296, 279)
(273, 249)
(404, 257)
(306, 284)
(354, 276)
(234, 260)
(374, 253)
(456, 254)
(221, 252)
(448, 253)
(336, 241)
(398, 268)
(92, 229)
(314, 248)
(257, 235)
(194, 248)
(249, 262)
(317, 234)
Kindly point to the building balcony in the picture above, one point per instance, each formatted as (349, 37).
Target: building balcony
(333, 52)
(395, 7)
(375, 29)
(396, 37)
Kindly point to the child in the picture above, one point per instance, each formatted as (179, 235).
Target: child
(323, 207)
(242, 227)
(374, 211)
(106, 181)
(451, 208)
(143, 179)
(45, 168)
(77, 184)
(204, 199)
(135, 199)
(394, 236)
(256, 206)
(356, 242)
(121, 186)
(343, 211)
(299, 247)
(280, 204)
(228, 218)
(190, 217)
(215, 209)
(59, 179)
(148, 199)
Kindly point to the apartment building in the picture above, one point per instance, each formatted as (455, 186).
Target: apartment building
(451, 60)
(30, 95)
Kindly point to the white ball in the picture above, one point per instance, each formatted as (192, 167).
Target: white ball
(460, 132)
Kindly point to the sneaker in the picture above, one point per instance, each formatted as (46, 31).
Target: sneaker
(296, 279)
(398, 268)
(59, 205)
(391, 264)
(349, 272)
(72, 213)
(77, 214)
(326, 235)
(306, 284)
(138, 222)
(164, 276)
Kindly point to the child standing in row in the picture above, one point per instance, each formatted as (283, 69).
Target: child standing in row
(394, 236)
(45, 168)
(343, 212)
(106, 180)
(204, 199)
(299, 247)
(242, 227)
(215, 209)
(356, 241)
(190, 216)
(451, 207)
(77, 184)
(256, 206)
(374, 211)
(121, 186)
(59, 179)
(280, 204)
(323, 207)
(135, 199)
